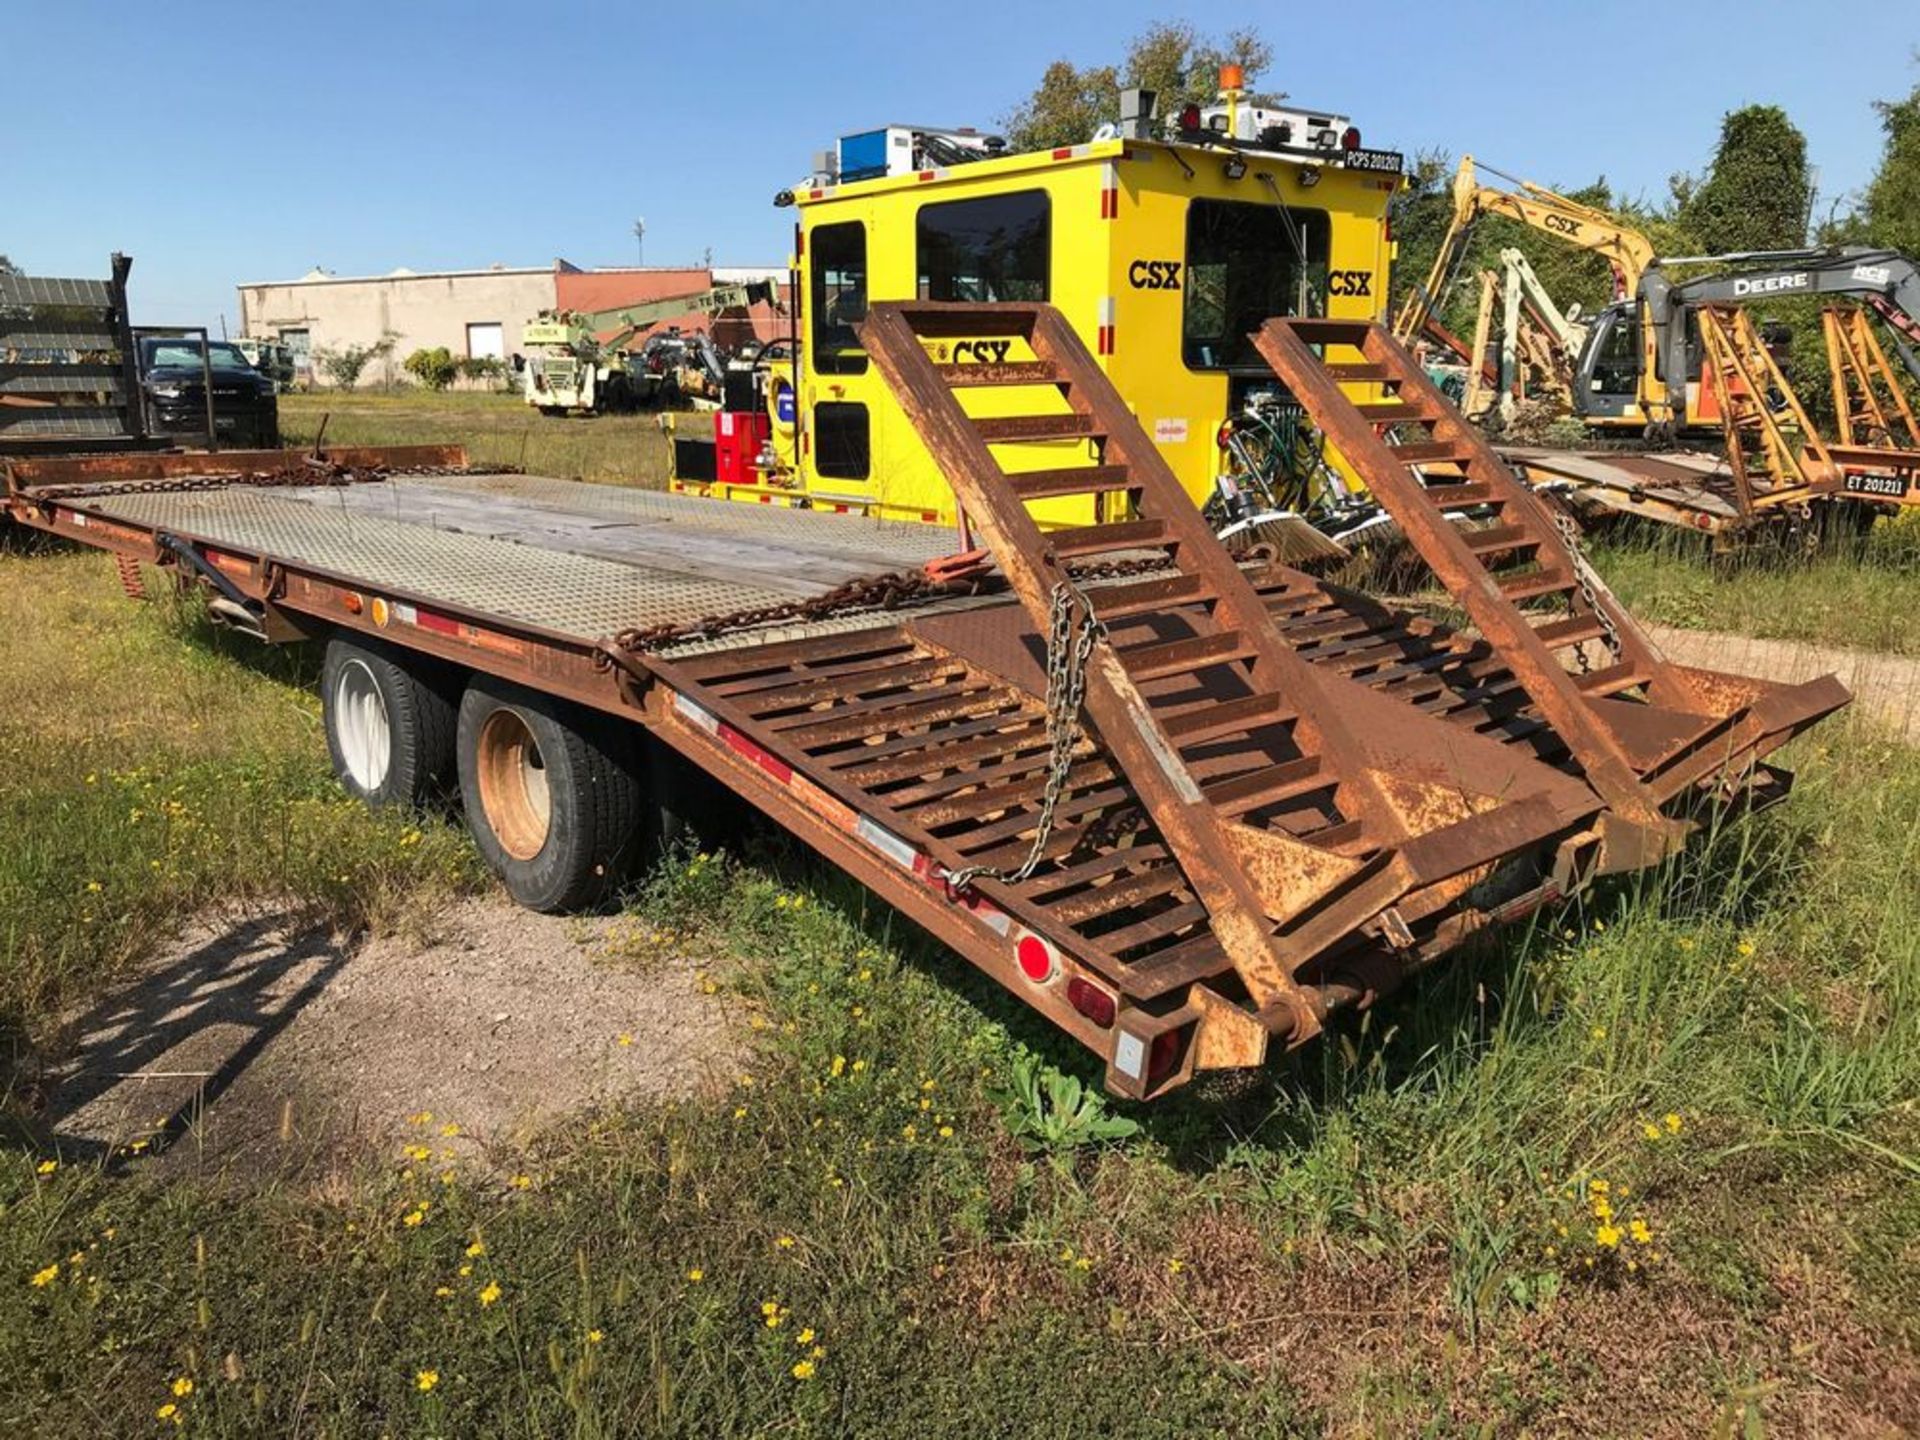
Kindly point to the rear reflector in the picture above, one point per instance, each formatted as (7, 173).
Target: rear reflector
(1091, 1001)
(1164, 1055)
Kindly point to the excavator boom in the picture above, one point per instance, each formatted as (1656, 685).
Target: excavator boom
(1582, 226)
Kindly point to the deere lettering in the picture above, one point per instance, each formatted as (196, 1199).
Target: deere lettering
(1772, 284)
(980, 352)
(1154, 274)
(1350, 282)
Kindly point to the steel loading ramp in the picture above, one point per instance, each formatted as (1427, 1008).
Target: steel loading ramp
(1643, 731)
(1361, 804)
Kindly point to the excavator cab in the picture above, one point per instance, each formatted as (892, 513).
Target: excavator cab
(1606, 388)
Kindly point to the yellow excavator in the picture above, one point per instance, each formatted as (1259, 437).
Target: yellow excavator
(1626, 249)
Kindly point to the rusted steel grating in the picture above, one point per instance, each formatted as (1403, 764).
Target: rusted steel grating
(1299, 806)
(1643, 731)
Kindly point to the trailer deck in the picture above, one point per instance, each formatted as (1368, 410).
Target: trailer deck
(1283, 798)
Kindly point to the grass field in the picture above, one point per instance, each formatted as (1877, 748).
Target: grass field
(496, 429)
(1645, 1167)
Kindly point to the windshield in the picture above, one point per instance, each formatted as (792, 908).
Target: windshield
(185, 354)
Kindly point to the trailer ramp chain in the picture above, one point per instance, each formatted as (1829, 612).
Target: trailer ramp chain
(305, 475)
(1590, 587)
(865, 593)
(1069, 648)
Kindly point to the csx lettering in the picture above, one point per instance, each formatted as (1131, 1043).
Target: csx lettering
(1772, 284)
(1350, 282)
(1154, 274)
(1561, 223)
(981, 352)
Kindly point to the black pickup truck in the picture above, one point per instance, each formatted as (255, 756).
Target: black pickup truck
(173, 382)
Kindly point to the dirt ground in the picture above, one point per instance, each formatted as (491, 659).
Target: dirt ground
(253, 1040)
(1887, 686)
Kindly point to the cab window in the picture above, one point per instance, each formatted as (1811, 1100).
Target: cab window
(1616, 363)
(994, 248)
(1245, 263)
(838, 294)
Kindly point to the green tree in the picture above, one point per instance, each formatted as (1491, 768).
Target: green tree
(7, 267)
(1173, 59)
(1891, 214)
(1757, 194)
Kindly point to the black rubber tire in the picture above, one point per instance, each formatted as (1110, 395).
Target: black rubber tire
(417, 695)
(688, 807)
(593, 837)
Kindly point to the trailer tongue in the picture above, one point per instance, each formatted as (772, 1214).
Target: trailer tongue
(1186, 807)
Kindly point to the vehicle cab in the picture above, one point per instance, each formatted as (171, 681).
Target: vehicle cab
(177, 371)
(1161, 244)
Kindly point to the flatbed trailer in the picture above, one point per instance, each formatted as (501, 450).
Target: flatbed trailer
(1186, 806)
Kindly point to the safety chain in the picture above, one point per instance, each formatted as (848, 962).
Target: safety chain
(1590, 586)
(1069, 646)
(874, 592)
(311, 473)
(871, 592)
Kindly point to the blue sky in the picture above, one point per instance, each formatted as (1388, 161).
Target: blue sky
(225, 142)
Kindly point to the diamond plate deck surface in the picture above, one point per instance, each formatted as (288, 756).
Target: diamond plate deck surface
(587, 597)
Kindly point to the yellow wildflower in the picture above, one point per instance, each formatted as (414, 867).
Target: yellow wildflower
(623, 1038)
(1175, 1265)
(489, 1293)
(476, 1249)
(43, 1278)
(425, 1380)
(450, 1128)
(441, 1292)
(182, 1387)
(1745, 947)
(803, 1370)
(594, 1337)
(1607, 1236)
(521, 1182)
(1672, 1122)
(1599, 1032)
(413, 1218)
(839, 1066)
(168, 1411)
(1637, 1228)
(785, 1242)
(805, 1337)
(1650, 1130)
(695, 1276)
(46, 1167)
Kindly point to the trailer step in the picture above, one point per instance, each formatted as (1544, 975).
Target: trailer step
(1022, 429)
(1074, 480)
(1006, 372)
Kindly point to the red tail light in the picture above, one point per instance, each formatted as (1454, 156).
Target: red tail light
(1223, 434)
(1350, 138)
(1091, 1001)
(1163, 1056)
(1190, 116)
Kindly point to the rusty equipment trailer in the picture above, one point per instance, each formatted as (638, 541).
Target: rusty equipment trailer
(1186, 807)
(1774, 465)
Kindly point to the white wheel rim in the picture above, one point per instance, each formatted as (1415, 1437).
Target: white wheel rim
(512, 780)
(361, 727)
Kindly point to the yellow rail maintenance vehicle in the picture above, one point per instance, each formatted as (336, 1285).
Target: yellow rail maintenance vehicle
(1163, 245)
